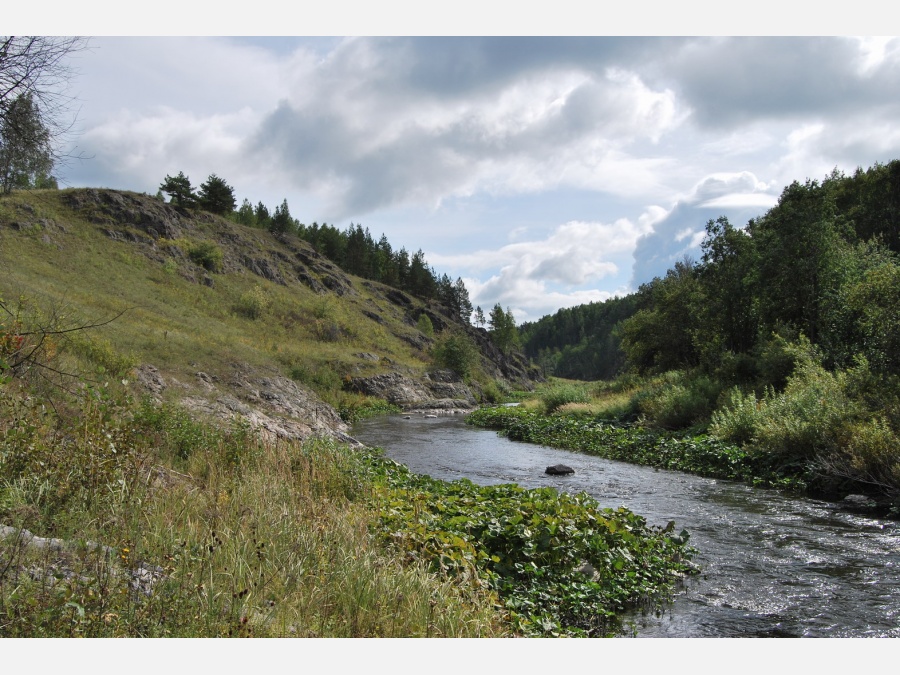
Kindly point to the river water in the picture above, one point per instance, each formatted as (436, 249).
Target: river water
(772, 565)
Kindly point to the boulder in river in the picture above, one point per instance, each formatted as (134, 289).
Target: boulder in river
(559, 470)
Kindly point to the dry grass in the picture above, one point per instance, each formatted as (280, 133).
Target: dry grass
(241, 538)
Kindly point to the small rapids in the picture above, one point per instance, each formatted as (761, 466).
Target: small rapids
(772, 565)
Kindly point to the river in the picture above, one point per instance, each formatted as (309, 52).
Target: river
(773, 565)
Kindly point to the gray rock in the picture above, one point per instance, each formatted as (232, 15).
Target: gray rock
(559, 470)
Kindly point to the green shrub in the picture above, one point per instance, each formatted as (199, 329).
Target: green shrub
(779, 356)
(868, 453)
(563, 394)
(455, 351)
(801, 422)
(253, 303)
(101, 353)
(491, 393)
(322, 378)
(207, 255)
(623, 383)
(736, 420)
(678, 401)
(356, 407)
(425, 326)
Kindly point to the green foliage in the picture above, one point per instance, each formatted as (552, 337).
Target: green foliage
(354, 408)
(425, 326)
(480, 321)
(254, 303)
(63, 474)
(26, 155)
(735, 421)
(456, 351)
(179, 190)
(245, 215)
(456, 297)
(866, 454)
(563, 394)
(503, 329)
(660, 336)
(216, 196)
(678, 401)
(796, 426)
(834, 426)
(694, 453)
(106, 359)
(173, 429)
(261, 216)
(559, 563)
(491, 393)
(580, 342)
(207, 255)
(282, 222)
(322, 378)
(872, 306)
(239, 539)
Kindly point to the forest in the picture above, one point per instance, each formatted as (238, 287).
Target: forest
(784, 337)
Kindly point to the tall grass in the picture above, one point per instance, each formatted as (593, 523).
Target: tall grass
(204, 532)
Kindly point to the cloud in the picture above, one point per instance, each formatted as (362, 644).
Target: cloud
(143, 146)
(679, 233)
(729, 82)
(382, 123)
(544, 275)
(813, 150)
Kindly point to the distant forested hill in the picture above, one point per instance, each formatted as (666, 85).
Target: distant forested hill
(822, 263)
(580, 342)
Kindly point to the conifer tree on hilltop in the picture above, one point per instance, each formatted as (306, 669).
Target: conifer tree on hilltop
(216, 196)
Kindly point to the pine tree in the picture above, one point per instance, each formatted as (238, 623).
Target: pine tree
(282, 222)
(216, 196)
(179, 190)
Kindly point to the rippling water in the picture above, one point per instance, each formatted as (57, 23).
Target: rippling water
(773, 565)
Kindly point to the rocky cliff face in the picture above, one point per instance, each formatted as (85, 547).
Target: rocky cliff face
(440, 390)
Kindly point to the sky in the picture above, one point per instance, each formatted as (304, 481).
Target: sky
(545, 172)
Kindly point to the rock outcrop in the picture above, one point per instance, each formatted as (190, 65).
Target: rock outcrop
(440, 390)
(274, 406)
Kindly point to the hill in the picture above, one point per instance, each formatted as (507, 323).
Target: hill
(227, 320)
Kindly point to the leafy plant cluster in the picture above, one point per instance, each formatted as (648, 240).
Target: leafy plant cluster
(563, 394)
(354, 408)
(558, 563)
(839, 425)
(701, 454)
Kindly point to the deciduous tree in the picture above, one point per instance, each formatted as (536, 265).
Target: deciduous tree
(34, 106)
(26, 156)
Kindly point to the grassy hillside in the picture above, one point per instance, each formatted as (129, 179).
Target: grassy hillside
(193, 292)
